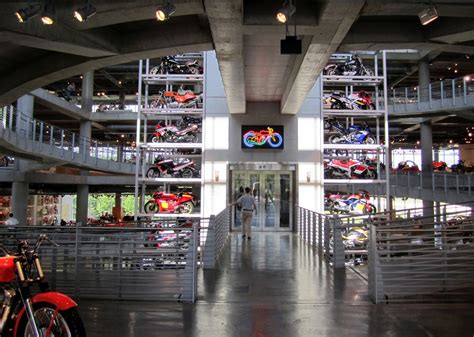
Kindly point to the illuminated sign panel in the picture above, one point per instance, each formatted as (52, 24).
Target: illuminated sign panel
(262, 137)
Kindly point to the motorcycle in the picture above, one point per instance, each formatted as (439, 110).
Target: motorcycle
(357, 203)
(5, 161)
(189, 120)
(349, 169)
(169, 65)
(181, 99)
(252, 138)
(352, 67)
(183, 202)
(171, 134)
(331, 197)
(439, 166)
(46, 313)
(356, 101)
(354, 134)
(183, 168)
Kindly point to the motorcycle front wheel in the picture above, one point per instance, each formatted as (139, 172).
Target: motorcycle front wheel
(153, 173)
(369, 140)
(155, 139)
(187, 207)
(151, 207)
(370, 209)
(50, 322)
(277, 142)
(338, 106)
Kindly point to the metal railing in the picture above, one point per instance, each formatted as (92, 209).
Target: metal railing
(217, 236)
(69, 142)
(448, 93)
(118, 263)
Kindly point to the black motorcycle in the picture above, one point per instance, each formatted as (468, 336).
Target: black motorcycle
(169, 65)
(352, 67)
(180, 168)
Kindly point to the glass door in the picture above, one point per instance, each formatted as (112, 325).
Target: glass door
(272, 193)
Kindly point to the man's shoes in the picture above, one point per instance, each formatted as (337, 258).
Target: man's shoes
(243, 236)
(248, 237)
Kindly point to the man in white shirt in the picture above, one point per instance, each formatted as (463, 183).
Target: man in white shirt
(247, 202)
(11, 221)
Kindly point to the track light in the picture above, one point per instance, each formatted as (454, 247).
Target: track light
(84, 13)
(428, 15)
(286, 11)
(24, 14)
(48, 14)
(164, 12)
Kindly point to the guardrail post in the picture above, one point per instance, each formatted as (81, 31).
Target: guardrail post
(194, 245)
(417, 97)
(41, 132)
(314, 228)
(96, 152)
(209, 249)
(442, 93)
(464, 87)
(77, 261)
(73, 144)
(429, 94)
(373, 265)
(339, 257)
(34, 131)
(62, 142)
(453, 88)
(51, 141)
(469, 184)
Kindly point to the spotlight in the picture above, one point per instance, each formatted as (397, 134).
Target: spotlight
(84, 13)
(48, 14)
(428, 15)
(286, 12)
(164, 12)
(25, 14)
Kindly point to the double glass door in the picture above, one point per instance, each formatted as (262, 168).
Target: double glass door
(272, 191)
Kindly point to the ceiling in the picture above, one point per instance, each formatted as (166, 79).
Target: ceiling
(246, 38)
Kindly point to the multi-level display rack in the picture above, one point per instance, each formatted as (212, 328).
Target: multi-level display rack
(169, 128)
(371, 80)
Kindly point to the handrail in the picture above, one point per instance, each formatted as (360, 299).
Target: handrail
(43, 132)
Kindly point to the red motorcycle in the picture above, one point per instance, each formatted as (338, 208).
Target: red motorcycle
(183, 202)
(171, 134)
(181, 99)
(44, 314)
(439, 166)
(182, 168)
(349, 169)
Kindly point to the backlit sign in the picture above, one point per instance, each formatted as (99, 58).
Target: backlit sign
(262, 137)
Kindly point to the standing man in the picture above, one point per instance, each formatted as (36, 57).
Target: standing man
(11, 221)
(247, 202)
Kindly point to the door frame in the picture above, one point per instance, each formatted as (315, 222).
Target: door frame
(264, 167)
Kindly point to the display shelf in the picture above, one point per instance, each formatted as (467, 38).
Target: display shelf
(351, 147)
(170, 215)
(147, 146)
(352, 181)
(176, 78)
(354, 113)
(339, 80)
(168, 111)
(150, 181)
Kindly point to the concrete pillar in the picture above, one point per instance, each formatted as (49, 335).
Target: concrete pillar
(423, 80)
(19, 201)
(426, 135)
(25, 106)
(87, 93)
(82, 203)
(122, 100)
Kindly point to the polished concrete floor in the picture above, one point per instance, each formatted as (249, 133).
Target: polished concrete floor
(275, 286)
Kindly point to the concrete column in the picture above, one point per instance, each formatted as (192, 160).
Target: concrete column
(19, 201)
(82, 203)
(87, 92)
(25, 106)
(426, 135)
(122, 100)
(423, 80)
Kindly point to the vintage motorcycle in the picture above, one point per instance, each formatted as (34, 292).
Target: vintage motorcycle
(181, 99)
(183, 202)
(357, 203)
(169, 65)
(171, 134)
(356, 101)
(352, 67)
(46, 313)
(181, 168)
(253, 138)
(349, 169)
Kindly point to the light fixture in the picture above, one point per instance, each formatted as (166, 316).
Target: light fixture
(428, 15)
(286, 11)
(84, 13)
(48, 14)
(164, 12)
(24, 14)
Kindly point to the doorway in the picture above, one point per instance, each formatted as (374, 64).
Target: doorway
(272, 191)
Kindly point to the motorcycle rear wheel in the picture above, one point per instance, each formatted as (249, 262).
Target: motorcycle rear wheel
(187, 173)
(67, 323)
(151, 207)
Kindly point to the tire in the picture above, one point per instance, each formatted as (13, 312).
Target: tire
(194, 70)
(371, 175)
(369, 140)
(371, 106)
(338, 106)
(186, 207)
(278, 140)
(368, 72)
(187, 173)
(156, 139)
(153, 173)
(151, 207)
(335, 139)
(247, 136)
(370, 209)
(68, 323)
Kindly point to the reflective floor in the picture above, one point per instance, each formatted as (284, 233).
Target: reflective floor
(271, 286)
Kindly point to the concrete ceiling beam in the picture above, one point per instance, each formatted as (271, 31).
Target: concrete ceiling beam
(336, 20)
(225, 19)
(413, 7)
